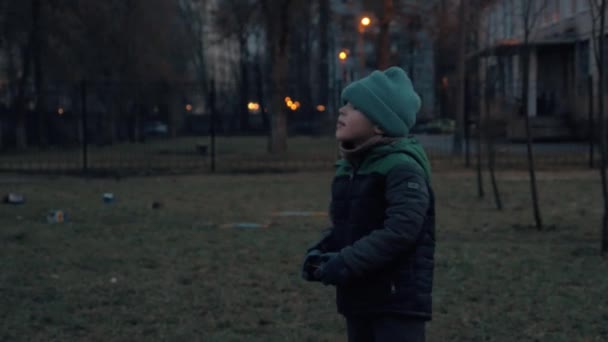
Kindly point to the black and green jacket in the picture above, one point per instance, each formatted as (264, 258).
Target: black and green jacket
(384, 227)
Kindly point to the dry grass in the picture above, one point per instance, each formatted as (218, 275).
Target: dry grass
(179, 276)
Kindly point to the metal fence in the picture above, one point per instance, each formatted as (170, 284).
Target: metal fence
(106, 128)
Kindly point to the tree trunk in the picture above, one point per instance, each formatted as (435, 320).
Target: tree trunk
(111, 135)
(278, 111)
(384, 36)
(480, 130)
(38, 75)
(136, 129)
(176, 112)
(308, 107)
(278, 36)
(244, 86)
(1, 132)
(259, 77)
(602, 119)
(524, 108)
(20, 106)
(591, 125)
(489, 133)
(491, 166)
(323, 84)
(459, 134)
(480, 190)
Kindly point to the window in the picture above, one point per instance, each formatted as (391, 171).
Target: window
(517, 17)
(582, 51)
(508, 18)
(509, 82)
(556, 11)
(492, 26)
(551, 12)
(498, 21)
(573, 6)
(546, 11)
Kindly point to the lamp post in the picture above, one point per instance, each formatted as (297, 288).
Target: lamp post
(363, 24)
(341, 81)
(343, 56)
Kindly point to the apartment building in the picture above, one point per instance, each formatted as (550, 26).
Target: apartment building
(411, 49)
(562, 63)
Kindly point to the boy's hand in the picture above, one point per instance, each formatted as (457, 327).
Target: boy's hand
(333, 270)
(312, 262)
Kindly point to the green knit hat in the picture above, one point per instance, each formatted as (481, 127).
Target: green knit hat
(388, 99)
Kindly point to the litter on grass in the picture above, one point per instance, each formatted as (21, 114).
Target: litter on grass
(108, 198)
(14, 199)
(245, 225)
(56, 216)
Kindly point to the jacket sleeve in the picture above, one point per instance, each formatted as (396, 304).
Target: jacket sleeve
(407, 197)
(326, 244)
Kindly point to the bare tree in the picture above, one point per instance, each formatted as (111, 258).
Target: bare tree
(277, 16)
(194, 14)
(460, 110)
(18, 39)
(530, 13)
(489, 137)
(323, 86)
(598, 13)
(478, 84)
(443, 27)
(486, 128)
(383, 50)
(237, 19)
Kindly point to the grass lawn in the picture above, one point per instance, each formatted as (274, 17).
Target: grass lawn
(249, 154)
(127, 272)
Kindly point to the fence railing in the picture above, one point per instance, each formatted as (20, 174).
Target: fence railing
(105, 127)
(248, 154)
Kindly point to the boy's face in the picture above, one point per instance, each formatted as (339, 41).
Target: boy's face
(353, 126)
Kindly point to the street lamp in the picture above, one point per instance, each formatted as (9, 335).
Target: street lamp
(343, 55)
(363, 24)
(365, 21)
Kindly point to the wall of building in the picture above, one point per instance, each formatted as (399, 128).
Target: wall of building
(344, 31)
(561, 20)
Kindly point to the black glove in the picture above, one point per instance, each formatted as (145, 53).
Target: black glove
(333, 270)
(312, 262)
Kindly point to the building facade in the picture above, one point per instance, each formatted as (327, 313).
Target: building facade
(562, 71)
(411, 47)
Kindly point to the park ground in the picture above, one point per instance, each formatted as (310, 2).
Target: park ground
(127, 272)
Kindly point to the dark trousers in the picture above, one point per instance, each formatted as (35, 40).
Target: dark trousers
(384, 329)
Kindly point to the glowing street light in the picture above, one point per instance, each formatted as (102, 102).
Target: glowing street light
(321, 108)
(343, 55)
(188, 108)
(365, 21)
(293, 105)
(253, 106)
(60, 111)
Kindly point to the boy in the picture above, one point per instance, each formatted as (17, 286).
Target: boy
(379, 253)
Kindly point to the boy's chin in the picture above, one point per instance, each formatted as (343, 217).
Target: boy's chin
(342, 139)
(339, 137)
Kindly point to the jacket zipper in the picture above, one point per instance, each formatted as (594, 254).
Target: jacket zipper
(352, 173)
(350, 191)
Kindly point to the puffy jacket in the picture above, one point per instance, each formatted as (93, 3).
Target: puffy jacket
(383, 215)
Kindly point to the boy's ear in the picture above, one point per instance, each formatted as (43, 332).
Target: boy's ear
(378, 131)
